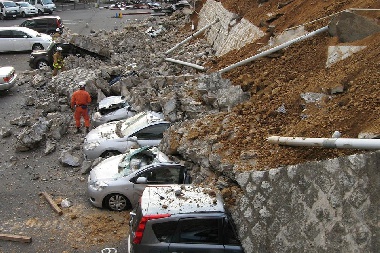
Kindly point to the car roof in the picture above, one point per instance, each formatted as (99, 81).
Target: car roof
(19, 28)
(180, 199)
(45, 17)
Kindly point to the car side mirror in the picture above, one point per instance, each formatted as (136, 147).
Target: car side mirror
(141, 180)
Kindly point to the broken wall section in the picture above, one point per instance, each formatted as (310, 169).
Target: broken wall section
(231, 32)
(324, 206)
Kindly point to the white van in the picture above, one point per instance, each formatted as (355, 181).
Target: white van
(8, 9)
(43, 6)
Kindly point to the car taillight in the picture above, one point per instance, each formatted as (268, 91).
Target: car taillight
(140, 229)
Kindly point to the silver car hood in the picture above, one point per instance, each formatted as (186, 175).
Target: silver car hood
(107, 169)
(103, 132)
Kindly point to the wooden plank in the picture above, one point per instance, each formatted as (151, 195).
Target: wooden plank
(16, 238)
(52, 203)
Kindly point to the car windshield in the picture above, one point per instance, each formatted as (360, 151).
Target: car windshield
(127, 127)
(135, 160)
(47, 2)
(23, 4)
(9, 4)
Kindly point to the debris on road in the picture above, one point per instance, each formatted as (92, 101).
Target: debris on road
(52, 203)
(16, 238)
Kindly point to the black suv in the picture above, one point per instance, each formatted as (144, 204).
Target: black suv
(181, 218)
(48, 25)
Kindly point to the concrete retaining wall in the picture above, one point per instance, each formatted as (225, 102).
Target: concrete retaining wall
(230, 32)
(325, 206)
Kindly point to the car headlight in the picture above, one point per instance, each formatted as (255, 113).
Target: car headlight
(98, 185)
(91, 145)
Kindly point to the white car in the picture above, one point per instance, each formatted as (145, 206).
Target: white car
(7, 77)
(26, 9)
(116, 137)
(22, 39)
(111, 109)
(117, 182)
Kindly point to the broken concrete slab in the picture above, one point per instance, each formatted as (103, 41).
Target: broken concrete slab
(338, 53)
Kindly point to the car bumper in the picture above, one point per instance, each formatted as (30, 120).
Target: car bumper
(8, 85)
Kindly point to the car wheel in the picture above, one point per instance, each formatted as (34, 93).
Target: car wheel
(23, 14)
(40, 12)
(42, 64)
(110, 153)
(117, 202)
(1, 17)
(37, 47)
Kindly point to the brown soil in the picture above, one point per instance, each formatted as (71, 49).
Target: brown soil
(276, 81)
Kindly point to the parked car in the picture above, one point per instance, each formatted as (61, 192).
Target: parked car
(22, 39)
(43, 6)
(116, 137)
(117, 182)
(111, 109)
(26, 9)
(47, 25)
(8, 9)
(184, 218)
(7, 77)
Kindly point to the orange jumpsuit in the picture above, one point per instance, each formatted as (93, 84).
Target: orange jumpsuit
(80, 99)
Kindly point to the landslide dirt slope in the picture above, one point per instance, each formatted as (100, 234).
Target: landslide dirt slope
(279, 81)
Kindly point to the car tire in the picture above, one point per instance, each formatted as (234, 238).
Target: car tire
(110, 153)
(23, 14)
(37, 47)
(2, 16)
(41, 64)
(117, 202)
(40, 13)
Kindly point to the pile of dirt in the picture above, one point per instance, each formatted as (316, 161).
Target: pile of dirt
(278, 82)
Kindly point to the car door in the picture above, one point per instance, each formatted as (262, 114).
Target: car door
(6, 41)
(21, 41)
(152, 134)
(198, 235)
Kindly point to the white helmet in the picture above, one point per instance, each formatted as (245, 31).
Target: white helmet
(82, 84)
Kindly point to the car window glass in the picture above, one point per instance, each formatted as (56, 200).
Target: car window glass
(19, 34)
(6, 34)
(165, 230)
(199, 231)
(163, 175)
(154, 132)
(229, 235)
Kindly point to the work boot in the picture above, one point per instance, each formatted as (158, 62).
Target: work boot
(78, 130)
(87, 130)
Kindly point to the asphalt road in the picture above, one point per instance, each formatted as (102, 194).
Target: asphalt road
(78, 21)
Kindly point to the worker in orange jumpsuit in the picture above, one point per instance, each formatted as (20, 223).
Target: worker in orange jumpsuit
(80, 101)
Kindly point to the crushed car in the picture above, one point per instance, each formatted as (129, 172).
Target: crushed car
(7, 77)
(117, 137)
(182, 218)
(111, 109)
(44, 58)
(117, 182)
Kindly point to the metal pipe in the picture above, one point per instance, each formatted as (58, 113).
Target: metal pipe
(192, 36)
(185, 63)
(348, 143)
(274, 49)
